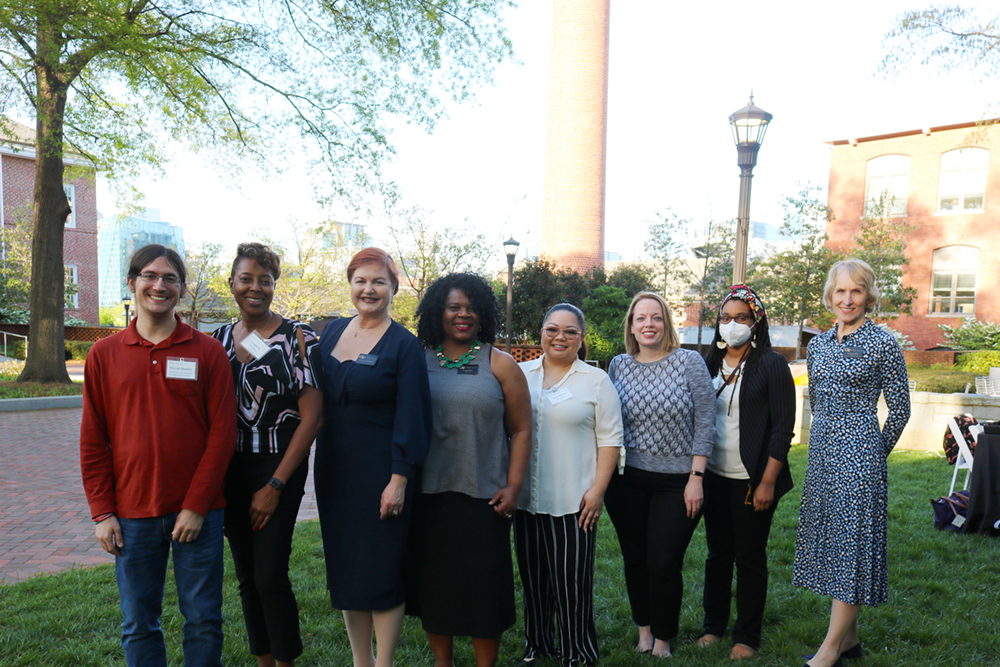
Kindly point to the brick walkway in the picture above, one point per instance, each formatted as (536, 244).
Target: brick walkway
(45, 523)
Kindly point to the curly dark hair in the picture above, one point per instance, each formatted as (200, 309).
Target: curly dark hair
(430, 312)
(260, 253)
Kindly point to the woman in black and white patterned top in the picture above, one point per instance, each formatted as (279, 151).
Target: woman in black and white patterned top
(279, 412)
(841, 548)
(668, 411)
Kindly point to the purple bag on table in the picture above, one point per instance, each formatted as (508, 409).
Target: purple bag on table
(950, 511)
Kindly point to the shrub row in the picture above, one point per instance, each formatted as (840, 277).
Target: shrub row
(75, 349)
(978, 362)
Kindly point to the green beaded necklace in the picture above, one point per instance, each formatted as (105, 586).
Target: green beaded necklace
(462, 360)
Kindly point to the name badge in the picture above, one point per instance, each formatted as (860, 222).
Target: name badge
(366, 359)
(854, 352)
(179, 368)
(469, 370)
(557, 397)
(255, 345)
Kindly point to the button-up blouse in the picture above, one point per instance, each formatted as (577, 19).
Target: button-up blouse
(570, 422)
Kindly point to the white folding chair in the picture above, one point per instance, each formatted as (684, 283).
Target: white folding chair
(964, 460)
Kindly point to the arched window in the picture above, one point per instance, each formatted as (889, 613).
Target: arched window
(963, 179)
(953, 280)
(888, 176)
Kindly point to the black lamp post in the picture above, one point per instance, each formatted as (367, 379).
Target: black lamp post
(510, 247)
(127, 302)
(749, 125)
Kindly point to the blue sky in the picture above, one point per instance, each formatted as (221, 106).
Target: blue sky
(677, 70)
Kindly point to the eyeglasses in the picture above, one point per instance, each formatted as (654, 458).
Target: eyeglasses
(568, 334)
(742, 318)
(168, 278)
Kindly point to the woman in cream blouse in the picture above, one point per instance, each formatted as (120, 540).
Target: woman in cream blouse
(577, 434)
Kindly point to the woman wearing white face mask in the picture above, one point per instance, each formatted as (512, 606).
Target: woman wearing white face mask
(748, 469)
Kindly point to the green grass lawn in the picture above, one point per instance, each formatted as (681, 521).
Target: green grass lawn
(943, 607)
(941, 379)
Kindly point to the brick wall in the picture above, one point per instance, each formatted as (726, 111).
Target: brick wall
(848, 164)
(576, 135)
(80, 243)
(931, 357)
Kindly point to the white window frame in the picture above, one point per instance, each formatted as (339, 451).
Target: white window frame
(70, 190)
(889, 167)
(963, 262)
(72, 277)
(960, 164)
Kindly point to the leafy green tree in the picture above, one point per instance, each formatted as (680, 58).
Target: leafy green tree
(424, 252)
(605, 309)
(972, 335)
(15, 270)
(881, 241)
(119, 81)
(669, 247)
(713, 276)
(112, 316)
(948, 37)
(207, 296)
(539, 285)
(313, 281)
(631, 278)
(791, 282)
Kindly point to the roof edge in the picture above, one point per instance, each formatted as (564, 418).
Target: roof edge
(908, 133)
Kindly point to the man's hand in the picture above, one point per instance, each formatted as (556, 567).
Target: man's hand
(187, 527)
(109, 534)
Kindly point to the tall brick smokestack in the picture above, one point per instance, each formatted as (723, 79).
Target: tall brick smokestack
(576, 137)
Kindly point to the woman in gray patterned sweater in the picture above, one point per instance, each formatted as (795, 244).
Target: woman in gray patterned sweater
(668, 412)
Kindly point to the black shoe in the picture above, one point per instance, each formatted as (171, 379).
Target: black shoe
(839, 663)
(852, 653)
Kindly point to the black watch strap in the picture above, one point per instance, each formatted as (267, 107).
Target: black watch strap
(276, 484)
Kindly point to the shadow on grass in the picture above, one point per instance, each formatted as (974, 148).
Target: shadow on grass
(943, 607)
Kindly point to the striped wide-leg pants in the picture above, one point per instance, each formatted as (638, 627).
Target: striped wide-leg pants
(555, 558)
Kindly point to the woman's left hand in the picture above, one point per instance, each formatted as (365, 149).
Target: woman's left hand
(590, 509)
(263, 505)
(393, 497)
(763, 496)
(505, 501)
(693, 496)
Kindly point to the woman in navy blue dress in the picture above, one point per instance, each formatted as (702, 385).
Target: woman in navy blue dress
(376, 426)
(841, 546)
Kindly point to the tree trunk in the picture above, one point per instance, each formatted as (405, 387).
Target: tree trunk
(46, 361)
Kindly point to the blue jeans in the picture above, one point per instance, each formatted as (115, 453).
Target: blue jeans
(141, 571)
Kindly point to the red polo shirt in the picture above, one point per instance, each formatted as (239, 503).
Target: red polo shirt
(152, 443)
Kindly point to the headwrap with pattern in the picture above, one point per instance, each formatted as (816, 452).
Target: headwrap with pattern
(747, 296)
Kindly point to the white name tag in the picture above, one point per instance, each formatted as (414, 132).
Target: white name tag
(179, 368)
(556, 397)
(255, 345)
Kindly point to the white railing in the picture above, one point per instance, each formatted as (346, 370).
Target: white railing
(4, 336)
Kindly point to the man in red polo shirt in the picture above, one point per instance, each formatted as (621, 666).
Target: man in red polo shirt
(158, 430)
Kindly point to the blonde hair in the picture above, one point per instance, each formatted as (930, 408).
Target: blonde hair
(860, 273)
(670, 340)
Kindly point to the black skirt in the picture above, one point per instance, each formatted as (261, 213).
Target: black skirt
(459, 574)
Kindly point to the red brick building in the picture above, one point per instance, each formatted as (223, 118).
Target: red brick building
(17, 186)
(946, 182)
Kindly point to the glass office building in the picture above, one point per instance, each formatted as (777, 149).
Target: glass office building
(118, 237)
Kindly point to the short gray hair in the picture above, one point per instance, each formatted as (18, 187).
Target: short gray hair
(860, 273)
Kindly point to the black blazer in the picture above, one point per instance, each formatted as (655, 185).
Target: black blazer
(767, 417)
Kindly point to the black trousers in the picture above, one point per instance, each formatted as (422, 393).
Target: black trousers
(555, 558)
(736, 534)
(650, 517)
(261, 556)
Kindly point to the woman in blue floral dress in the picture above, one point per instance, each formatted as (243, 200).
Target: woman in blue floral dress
(841, 546)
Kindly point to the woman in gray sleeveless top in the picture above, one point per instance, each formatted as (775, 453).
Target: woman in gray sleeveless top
(460, 578)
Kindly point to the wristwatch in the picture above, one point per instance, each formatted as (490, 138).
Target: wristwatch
(276, 484)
